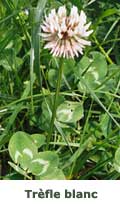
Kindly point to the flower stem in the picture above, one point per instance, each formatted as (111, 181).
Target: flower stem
(55, 102)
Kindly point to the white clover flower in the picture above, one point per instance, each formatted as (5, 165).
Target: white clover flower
(66, 35)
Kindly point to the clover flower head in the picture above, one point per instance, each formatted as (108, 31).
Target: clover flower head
(65, 36)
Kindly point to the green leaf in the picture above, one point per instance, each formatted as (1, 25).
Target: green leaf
(56, 174)
(22, 149)
(17, 168)
(116, 163)
(99, 63)
(43, 163)
(52, 77)
(117, 156)
(109, 12)
(116, 167)
(105, 124)
(82, 65)
(70, 112)
(38, 139)
(92, 70)
(45, 117)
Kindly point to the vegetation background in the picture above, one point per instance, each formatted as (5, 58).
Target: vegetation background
(85, 142)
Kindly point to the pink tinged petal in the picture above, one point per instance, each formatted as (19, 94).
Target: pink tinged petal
(56, 48)
(47, 25)
(82, 41)
(75, 51)
(46, 37)
(56, 25)
(53, 53)
(74, 47)
(77, 30)
(57, 53)
(62, 12)
(53, 19)
(71, 53)
(60, 35)
(52, 14)
(74, 16)
(52, 25)
(67, 54)
(64, 54)
(45, 29)
(46, 19)
(82, 18)
(87, 33)
(63, 27)
(80, 51)
(69, 48)
(80, 29)
(73, 42)
(52, 29)
(74, 11)
(87, 26)
(79, 48)
(67, 45)
(62, 48)
(70, 33)
(50, 45)
(71, 22)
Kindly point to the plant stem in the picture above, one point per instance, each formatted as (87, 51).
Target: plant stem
(55, 102)
(103, 51)
(31, 78)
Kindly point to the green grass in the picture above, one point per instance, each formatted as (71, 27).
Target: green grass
(87, 145)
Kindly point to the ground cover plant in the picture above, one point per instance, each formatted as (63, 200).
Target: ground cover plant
(59, 110)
